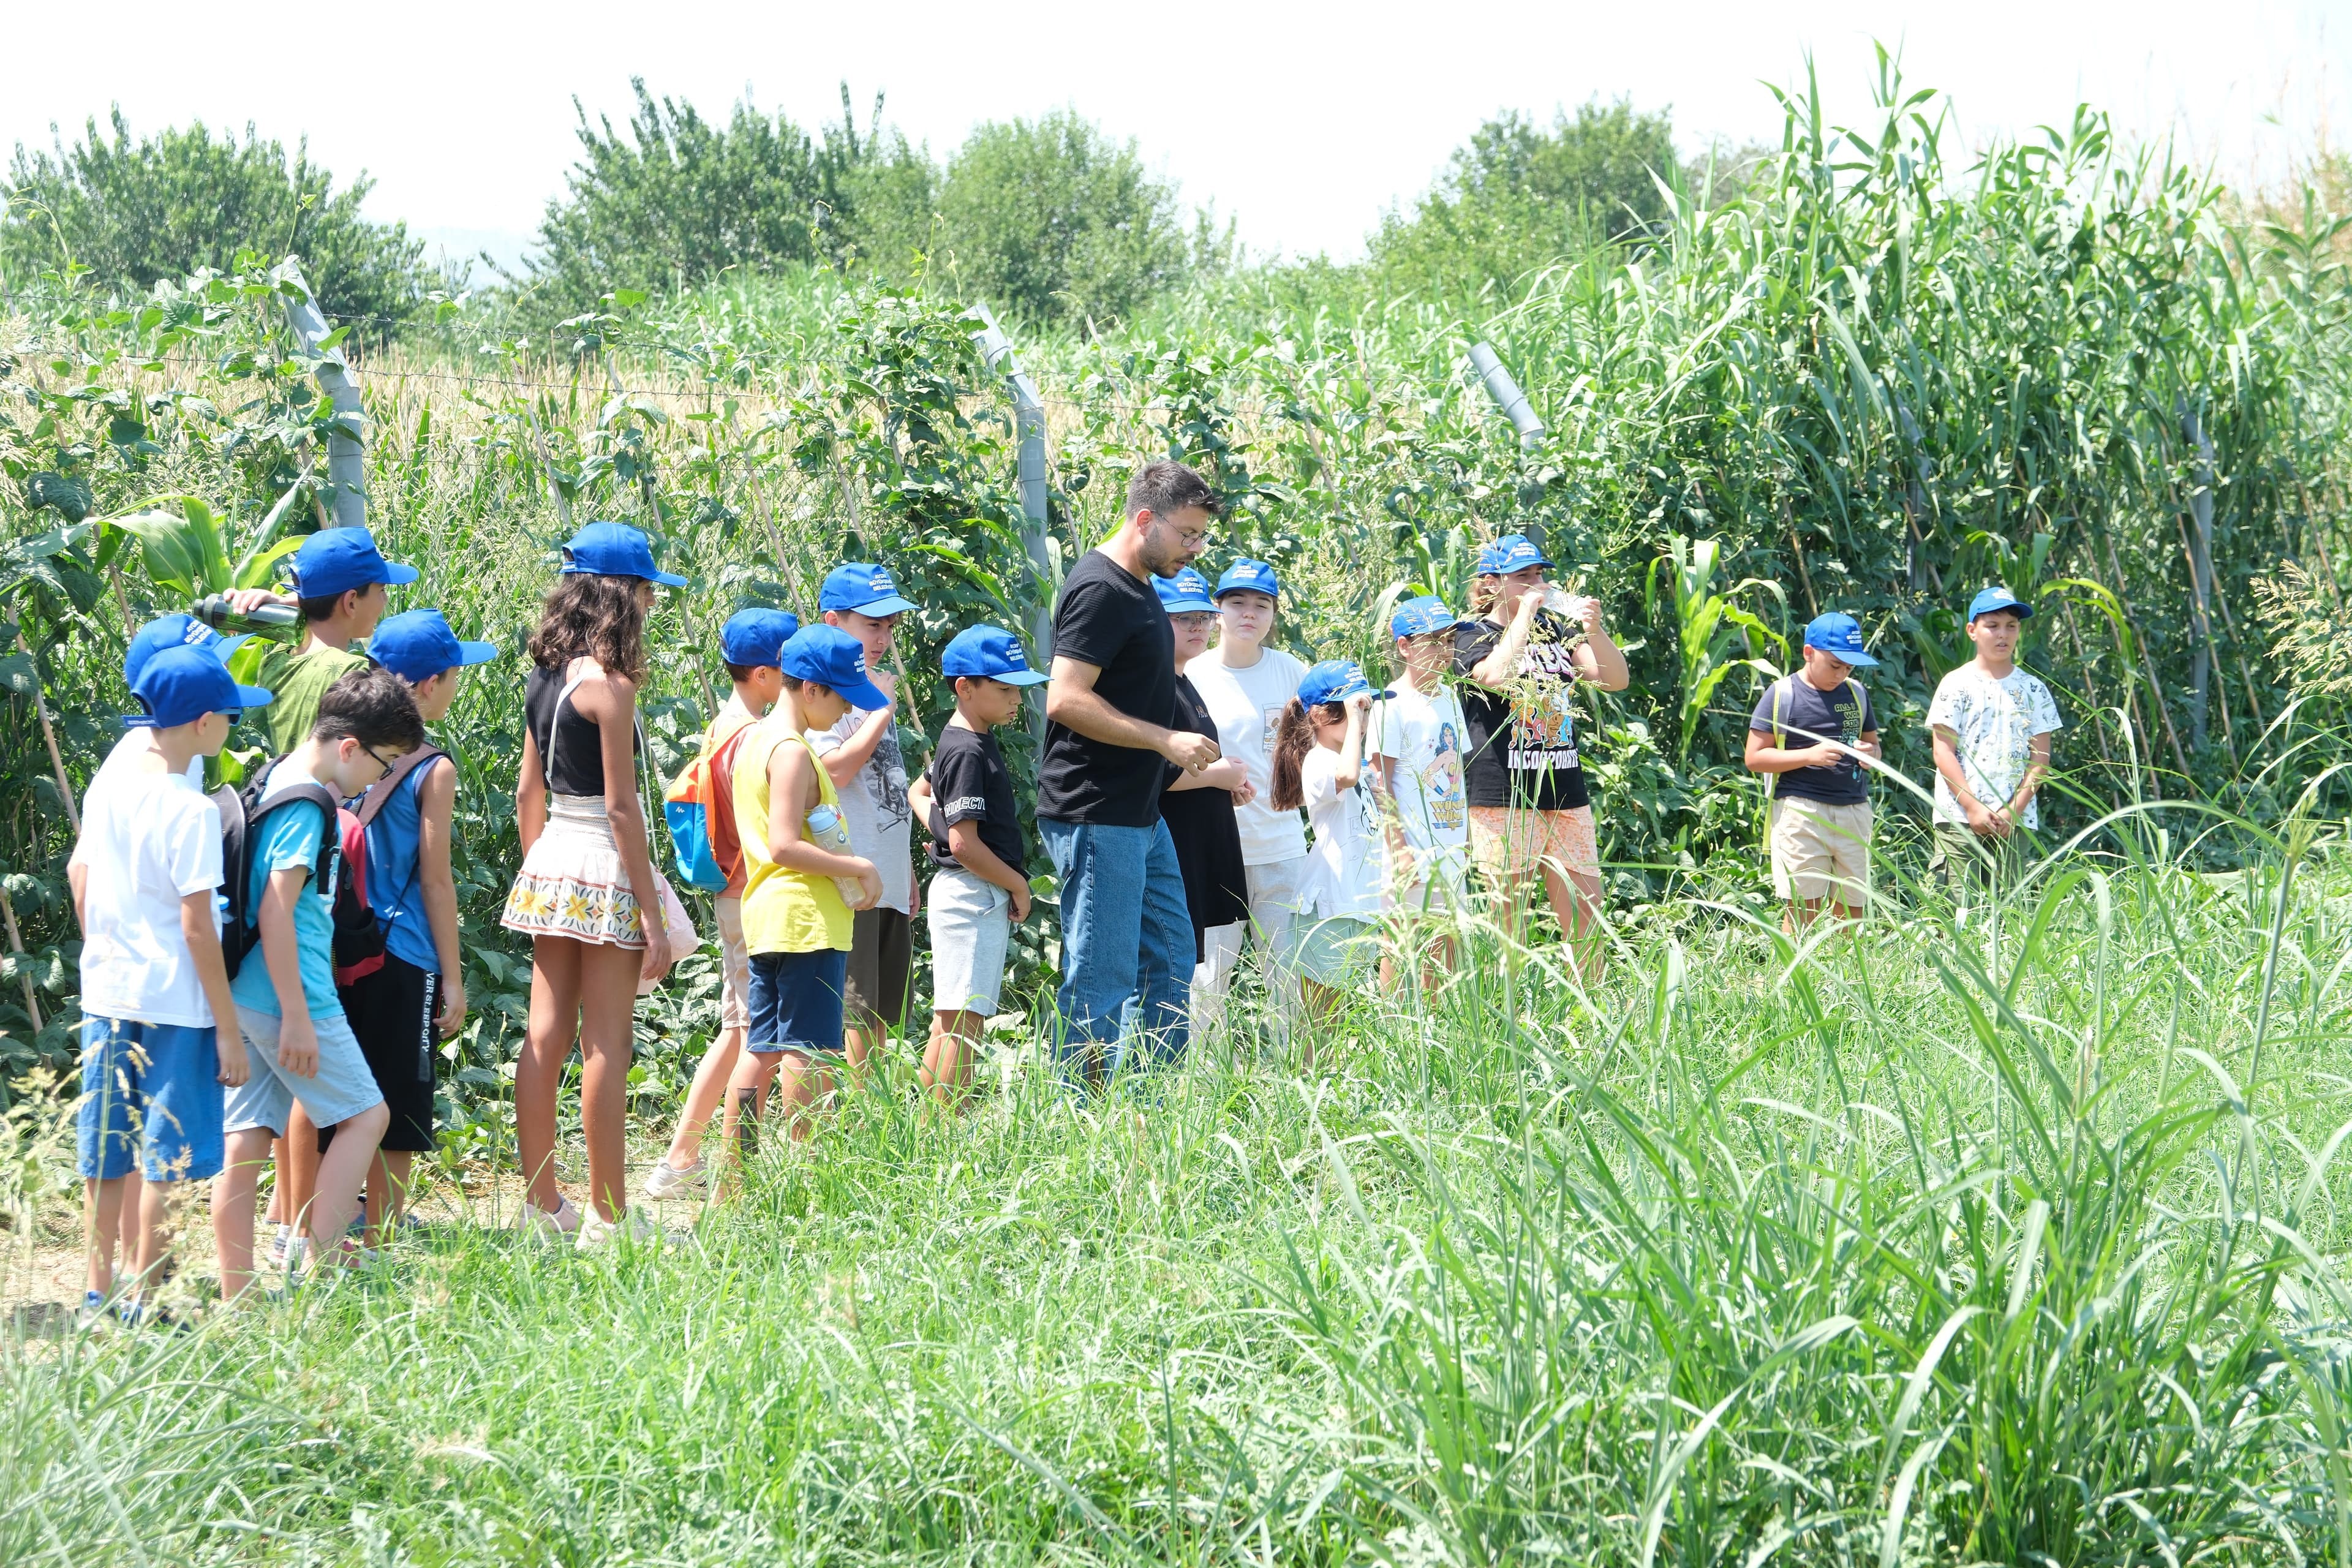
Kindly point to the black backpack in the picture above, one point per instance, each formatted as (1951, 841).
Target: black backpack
(358, 934)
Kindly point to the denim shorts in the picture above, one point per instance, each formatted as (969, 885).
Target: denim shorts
(342, 1088)
(796, 1002)
(152, 1088)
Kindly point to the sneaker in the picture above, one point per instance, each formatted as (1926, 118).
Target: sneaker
(665, 1181)
(538, 1222)
(94, 1309)
(294, 1254)
(636, 1224)
(280, 1242)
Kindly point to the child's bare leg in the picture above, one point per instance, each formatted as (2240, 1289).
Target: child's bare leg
(955, 1042)
(297, 1169)
(278, 1213)
(800, 1084)
(387, 1186)
(738, 1129)
(1576, 899)
(101, 1226)
(155, 1234)
(341, 1171)
(233, 1190)
(703, 1098)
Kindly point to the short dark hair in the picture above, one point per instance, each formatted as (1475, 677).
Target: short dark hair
(739, 673)
(1165, 488)
(371, 705)
(319, 606)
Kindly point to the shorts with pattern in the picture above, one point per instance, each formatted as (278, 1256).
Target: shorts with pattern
(1509, 843)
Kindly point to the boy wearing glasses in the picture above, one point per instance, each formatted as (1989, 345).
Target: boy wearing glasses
(298, 1041)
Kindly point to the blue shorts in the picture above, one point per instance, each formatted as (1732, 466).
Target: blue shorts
(152, 1087)
(341, 1089)
(796, 1002)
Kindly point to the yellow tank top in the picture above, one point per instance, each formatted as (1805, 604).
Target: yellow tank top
(784, 910)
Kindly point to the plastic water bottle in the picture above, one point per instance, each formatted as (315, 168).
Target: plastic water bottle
(828, 832)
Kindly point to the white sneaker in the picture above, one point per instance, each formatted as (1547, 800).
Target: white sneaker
(278, 1243)
(636, 1224)
(296, 1251)
(538, 1223)
(666, 1181)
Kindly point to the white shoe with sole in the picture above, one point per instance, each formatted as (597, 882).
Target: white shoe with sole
(636, 1224)
(538, 1223)
(665, 1181)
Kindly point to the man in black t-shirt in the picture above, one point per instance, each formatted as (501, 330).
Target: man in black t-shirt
(1126, 930)
(1807, 736)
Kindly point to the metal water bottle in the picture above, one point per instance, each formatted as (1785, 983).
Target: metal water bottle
(266, 620)
(827, 831)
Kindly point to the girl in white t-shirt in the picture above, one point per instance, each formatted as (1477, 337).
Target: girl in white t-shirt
(1416, 750)
(1318, 763)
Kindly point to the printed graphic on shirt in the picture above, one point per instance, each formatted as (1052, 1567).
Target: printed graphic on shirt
(886, 781)
(964, 807)
(1447, 811)
(1543, 727)
(1273, 727)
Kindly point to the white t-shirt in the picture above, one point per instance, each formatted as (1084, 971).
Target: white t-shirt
(873, 805)
(1424, 734)
(1343, 872)
(148, 840)
(1996, 721)
(1246, 707)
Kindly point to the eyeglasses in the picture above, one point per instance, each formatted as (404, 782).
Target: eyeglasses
(1191, 537)
(384, 768)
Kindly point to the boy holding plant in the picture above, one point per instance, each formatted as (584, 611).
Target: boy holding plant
(1992, 723)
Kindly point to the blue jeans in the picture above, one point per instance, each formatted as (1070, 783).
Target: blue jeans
(1127, 944)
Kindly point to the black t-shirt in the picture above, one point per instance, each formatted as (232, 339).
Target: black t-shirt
(1522, 746)
(1808, 715)
(969, 783)
(1114, 622)
(1208, 840)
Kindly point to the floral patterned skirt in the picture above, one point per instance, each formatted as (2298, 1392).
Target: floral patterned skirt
(572, 883)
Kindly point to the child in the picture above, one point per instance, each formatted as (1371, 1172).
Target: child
(1199, 807)
(750, 644)
(1992, 723)
(1820, 824)
(796, 924)
(340, 587)
(603, 924)
(301, 1042)
(154, 987)
(982, 891)
(1418, 768)
(416, 998)
(1318, 757)
(861, 754)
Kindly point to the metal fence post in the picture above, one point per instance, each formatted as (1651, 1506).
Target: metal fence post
(1507, 396)
(1029, 428)
(346, 462)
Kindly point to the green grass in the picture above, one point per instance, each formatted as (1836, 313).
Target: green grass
(2013, 1246)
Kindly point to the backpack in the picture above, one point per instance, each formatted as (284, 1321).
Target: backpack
(362, 938)
(707, 852)
(242, 814)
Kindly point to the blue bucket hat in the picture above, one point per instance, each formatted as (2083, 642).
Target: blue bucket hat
(1335, 680)
(417, 644)
(988, 653)
(1255, 576)
(1417, 617)
(1839, 636)
(1184, 593)
(181, 685)
(1999, 598)
(174, 631)
(615, 550)
(755, 637)
(835, 660)
(338, 559)
(1512, 552)
(864, 587)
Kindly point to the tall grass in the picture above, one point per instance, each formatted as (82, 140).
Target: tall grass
(2009, 1240)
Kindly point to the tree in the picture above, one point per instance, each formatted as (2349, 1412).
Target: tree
(1051, 221)
(161, 207)
(1519, 197)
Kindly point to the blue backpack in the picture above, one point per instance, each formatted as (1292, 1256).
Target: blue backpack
(707, 852)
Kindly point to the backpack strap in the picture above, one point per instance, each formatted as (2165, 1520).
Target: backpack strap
(379, 794)
(331, 836)
(1780, 735)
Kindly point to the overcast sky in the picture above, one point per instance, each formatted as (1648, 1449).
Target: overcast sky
(1303, 121)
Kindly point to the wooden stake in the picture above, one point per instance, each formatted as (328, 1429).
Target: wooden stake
(56, 762)
(17, 946)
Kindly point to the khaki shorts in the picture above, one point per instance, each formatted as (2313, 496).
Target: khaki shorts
(734, 967)
(1820, 851)
(1508, 843)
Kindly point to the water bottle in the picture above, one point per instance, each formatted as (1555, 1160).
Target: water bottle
(1560, 602)
(828, 832)
(264, 620)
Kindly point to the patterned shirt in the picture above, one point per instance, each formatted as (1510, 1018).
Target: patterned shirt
(1995, 722)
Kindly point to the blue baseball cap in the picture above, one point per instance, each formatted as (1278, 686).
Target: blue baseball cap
(1335, 680)
(174, 631)
(1416, 617)
(862, 587)
(1839, 636)
(337, 560)
(417, 644)
(615, 550)
(1184, 593)
(1255, 576)
(181, 685)
(991, 653)
(1512, 552)
(756, 637)
(1999, 598)
(834, 659)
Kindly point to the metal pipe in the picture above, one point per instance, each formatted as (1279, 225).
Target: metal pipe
(346, 464)
(1029, 430)
(1507, 396)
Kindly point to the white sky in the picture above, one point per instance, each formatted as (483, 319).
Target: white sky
(1303, 121)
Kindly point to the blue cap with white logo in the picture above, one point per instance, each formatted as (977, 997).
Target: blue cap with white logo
(615, 550)
(1335, 680)
(756, 635)
(174, 631)
(1839, 636)
(862, 587)
(988, 653)
(181, 685)
(835, 660)
(1184, 593)
(417, 644)
(1254, 577)
(1512, 552)
(1418, 617)
(338, 559)
(1999, 598)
